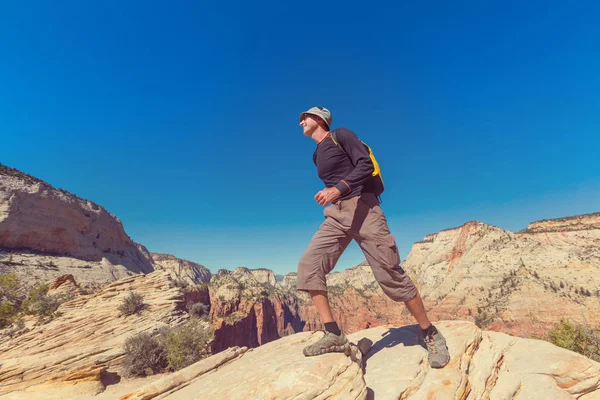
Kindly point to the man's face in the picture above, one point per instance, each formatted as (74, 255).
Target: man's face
(309, 124)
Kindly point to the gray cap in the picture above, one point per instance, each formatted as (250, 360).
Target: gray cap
(320, 112)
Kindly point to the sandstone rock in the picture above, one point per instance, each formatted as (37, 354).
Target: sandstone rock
(220, 273)
(36, 218)
(516, 283)
(75, 352)
(277, 370)
(183, 377)
(264, 276)
(34, 268)
(359, 277)
(576, 223)
(289, 281)
(64, 286)
(189, 271)
(483, 365)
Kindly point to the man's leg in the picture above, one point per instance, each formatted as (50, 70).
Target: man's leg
(417, 309)
(323, 252)
(321, 302)
(379, 247)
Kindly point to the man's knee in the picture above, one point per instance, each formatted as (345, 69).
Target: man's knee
(310, 274)
(399, 286)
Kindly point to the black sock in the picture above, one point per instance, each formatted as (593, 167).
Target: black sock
(429, 331)
(333, 328)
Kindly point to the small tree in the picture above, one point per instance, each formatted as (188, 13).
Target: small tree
(198, 310)
(576, 337)
(144, 355)
(133, 303)
(9, 284)
(187, 344)
(40, 304)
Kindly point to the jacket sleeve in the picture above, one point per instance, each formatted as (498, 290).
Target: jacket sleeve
(359, 156)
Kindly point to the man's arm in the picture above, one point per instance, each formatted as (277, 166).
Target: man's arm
(359, 156)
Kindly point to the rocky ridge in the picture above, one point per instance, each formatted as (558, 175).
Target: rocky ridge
(47, 232)
(189, 271)
(519, 283)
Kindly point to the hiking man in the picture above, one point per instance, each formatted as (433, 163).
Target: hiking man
(345, 167)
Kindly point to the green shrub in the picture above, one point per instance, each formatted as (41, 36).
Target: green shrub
(132, 303)
(198, 310)
(7, 314)
(42, 305)
(144, 355)
(34, 295)
(9, 307)
(45, 307)
(180, 283)
(9, 283)
(187, 344)
(576, 337)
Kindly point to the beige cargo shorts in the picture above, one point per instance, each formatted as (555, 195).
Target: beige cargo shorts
(359, 218)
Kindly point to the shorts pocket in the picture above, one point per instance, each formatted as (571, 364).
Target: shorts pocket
(388, 251)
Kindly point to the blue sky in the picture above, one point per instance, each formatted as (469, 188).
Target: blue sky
(182, 118)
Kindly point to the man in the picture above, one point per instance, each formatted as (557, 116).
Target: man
(345, 167)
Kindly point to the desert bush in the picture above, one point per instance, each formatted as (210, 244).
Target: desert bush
(180, 283)
(579, 338)
(45, 307)
(42, 305)
(7, 314)
(187, 343)
(132, 303)
(9, 308)
(144, 355)
(34, 295)
(198, 310)
(9, 283)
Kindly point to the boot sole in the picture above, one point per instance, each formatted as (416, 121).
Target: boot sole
(344, 348)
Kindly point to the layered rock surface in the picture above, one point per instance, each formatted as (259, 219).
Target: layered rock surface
(483, 365)
(82, 350)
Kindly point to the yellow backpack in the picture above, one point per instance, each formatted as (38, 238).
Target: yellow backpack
(376, 181)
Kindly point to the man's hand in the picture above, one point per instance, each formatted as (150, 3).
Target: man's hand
(328, 195)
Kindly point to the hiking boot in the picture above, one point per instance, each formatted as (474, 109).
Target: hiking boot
(437, 349)
(329, 343)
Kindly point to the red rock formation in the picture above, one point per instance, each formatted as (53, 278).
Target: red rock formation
(61, 280)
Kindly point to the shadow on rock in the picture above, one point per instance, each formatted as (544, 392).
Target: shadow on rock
(407, 335)
(109, 378)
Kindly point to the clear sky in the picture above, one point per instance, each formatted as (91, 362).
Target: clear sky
(181, 118)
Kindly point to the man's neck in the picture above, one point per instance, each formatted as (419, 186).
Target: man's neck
(319, 135)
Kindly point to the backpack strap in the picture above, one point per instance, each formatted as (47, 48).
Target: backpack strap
(337, 143)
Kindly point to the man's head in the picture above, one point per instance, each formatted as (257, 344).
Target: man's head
(315, 118)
